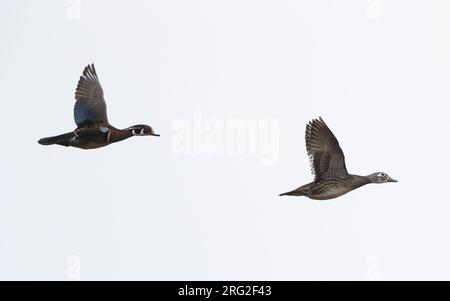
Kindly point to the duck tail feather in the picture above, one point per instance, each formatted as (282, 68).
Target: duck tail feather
(293, 192)
(60, 139)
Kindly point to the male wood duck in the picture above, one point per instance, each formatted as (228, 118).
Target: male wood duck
(93, 129)
(328, 165)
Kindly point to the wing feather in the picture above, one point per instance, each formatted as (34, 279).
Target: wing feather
(326, 156)
(90, 106)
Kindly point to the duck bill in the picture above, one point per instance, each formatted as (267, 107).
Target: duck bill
(392, 180)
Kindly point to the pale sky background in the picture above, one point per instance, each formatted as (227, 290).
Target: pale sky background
(378, 72)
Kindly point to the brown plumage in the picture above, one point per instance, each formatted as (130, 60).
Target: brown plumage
(326, 156)
(328, 165)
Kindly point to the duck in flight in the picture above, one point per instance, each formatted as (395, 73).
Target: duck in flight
(328, 165)
(93, 129)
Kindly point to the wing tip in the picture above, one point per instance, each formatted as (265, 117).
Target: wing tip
(90, 72)
(87, 83)
(316, 123)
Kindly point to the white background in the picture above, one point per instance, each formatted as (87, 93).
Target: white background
(378, 72)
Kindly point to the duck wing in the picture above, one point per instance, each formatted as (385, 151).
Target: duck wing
(90, 106)
(325, 154)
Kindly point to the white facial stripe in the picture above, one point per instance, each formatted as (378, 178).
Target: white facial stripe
(137, 131)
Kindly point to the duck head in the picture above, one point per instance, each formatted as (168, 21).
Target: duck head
(380, 177)
(141, 130)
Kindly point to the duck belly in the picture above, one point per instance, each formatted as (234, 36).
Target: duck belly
(327, 195)
(91, 143)
(328, 191)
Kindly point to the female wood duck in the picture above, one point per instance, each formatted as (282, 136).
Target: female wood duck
(93, 129)
(328, 165)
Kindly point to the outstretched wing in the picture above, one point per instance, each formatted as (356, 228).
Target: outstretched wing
(325, 154)
(90, 106)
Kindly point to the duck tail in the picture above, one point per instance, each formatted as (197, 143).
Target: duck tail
(296, 192)
(60, 139)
